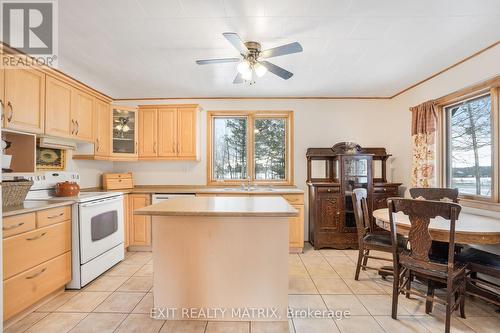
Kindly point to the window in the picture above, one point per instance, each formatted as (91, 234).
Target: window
(470, 147)
(251, 145)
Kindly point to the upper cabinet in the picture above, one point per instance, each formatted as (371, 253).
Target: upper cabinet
(24, 100)
(168, 132)
(124, 129)
(68, 111)
(58, 119)
(82, 112)
(102, 125)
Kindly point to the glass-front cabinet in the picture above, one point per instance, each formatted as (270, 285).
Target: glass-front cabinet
(124, 137)
(356, 173)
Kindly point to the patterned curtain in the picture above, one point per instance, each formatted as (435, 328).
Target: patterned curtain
(423, 131)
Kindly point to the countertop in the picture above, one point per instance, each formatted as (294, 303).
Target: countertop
(32, 206)
(221, 206)
(201, 189)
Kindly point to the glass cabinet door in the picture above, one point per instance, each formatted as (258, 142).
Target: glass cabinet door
(124, 131)
(356, 175)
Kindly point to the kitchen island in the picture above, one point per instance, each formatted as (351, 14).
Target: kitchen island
(220, 258)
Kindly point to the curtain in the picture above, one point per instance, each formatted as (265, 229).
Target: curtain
(423, 131)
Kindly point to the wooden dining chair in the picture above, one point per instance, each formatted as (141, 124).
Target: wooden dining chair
(416, 260)
(367, 240)
(435, 193)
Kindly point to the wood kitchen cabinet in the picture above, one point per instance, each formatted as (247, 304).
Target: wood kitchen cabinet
(24, 100)
(82, 112)
(36, 257)
(102, 126)
(58, 119)
(168, 132)
(140, 226)
(124, 127)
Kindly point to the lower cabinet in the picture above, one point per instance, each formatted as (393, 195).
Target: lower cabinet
(36, 257)
(140, 226)
(126, 221)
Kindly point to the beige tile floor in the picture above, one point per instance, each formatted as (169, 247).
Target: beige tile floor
(120, 300)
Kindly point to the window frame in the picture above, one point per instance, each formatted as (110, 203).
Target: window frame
(251, 117)
(490, 87)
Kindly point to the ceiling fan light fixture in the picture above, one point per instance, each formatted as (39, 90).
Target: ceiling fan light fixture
(260, 70)
(243, 67)
(247, 76)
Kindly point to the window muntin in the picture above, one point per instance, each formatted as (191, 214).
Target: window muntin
(470, 147)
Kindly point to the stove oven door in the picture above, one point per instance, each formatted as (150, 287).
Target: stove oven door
(101, 227)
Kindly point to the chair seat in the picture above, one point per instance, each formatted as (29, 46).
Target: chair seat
(382, 240)
(478, 257)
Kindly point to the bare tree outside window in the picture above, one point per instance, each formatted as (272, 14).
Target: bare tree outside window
(470, 146)
(230, 148)
(270, 148)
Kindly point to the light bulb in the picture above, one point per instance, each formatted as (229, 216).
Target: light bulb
(243, 67)
(125, 128)
(247, 76)
(260, 69)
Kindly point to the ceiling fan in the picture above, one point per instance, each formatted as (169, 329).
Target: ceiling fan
(251, 64)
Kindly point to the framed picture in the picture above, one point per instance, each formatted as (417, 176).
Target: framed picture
(50, 159)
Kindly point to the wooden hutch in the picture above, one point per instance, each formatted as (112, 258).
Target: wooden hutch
(332, 174)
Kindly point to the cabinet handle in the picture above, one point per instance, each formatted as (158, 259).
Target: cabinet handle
(11, 113)
(173, 147)
(135, 147)
(36, 274)
(36, 237)
(98, 145)
(72, 126)
(2, 106)
(54, 216)
(338, 213)
(329, 190)
(154, 147)
(178, 148)
(13, 226)
(77, 127)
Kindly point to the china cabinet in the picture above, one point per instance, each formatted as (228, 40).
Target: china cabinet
(332, 174)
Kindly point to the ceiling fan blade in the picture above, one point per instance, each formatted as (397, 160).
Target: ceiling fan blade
(217, 61)
(236, 41)
(238, 78)
(277, 70)
(294, 47)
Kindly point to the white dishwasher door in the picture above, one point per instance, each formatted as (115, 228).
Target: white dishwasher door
(159, 197)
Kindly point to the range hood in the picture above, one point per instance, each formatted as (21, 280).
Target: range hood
(47, 142)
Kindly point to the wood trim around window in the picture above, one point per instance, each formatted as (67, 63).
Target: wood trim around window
(491, 87)
(253, 114)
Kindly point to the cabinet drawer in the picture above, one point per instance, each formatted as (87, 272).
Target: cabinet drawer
(294, 199)
(390, 191)
(52, 216)
(329, 189)
(119, 183)
(27, 250)
(25, 289)
(14, 225)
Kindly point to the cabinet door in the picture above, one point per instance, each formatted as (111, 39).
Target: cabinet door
(328, 208)
(126, 218)
(147, 133)
(58, 120)
(124, 132)
(83, 113)
(102, 128)
(186, 132)
(25, 100)
(167, 132)
(140, 226)
(296, 228)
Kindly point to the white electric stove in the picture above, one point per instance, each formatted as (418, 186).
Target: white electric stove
(97, 225)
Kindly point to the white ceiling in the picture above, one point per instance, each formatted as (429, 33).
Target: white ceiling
(148, 48)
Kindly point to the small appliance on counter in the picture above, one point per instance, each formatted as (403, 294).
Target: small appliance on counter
(117, 181)
(97, 225)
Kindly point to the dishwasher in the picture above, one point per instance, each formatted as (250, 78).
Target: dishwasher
(159, 197)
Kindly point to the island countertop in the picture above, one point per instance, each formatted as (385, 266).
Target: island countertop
(221, 206)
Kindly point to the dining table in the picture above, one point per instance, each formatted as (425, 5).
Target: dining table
(469, 228)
